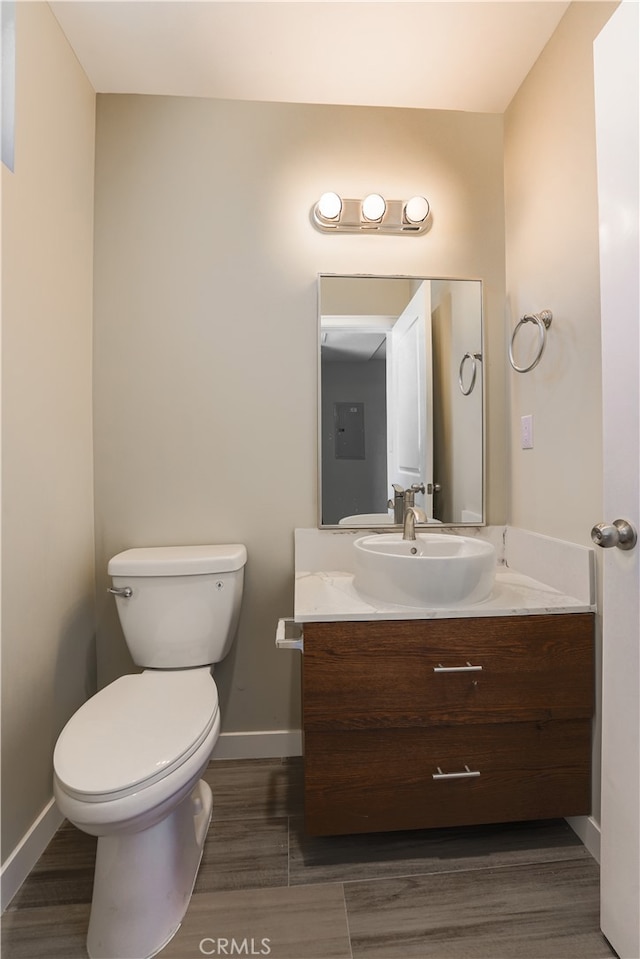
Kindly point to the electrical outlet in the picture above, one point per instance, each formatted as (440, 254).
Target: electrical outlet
(526, 432)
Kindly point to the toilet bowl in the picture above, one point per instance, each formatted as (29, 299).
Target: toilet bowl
(169, 724)
(127, 765)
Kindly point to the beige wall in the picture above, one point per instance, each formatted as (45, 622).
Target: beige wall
(47, 519)
(205, 329)
(552, 262)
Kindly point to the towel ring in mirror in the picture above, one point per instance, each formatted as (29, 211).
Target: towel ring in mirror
(474, 370)
(543, 321)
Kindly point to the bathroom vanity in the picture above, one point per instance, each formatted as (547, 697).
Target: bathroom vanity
(431, 718)
(447, 722)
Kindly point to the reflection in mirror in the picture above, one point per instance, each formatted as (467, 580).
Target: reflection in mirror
(401, 399)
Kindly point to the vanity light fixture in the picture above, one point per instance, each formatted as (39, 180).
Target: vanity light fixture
(335, 214)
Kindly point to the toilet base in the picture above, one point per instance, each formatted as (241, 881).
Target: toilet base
(143, 881)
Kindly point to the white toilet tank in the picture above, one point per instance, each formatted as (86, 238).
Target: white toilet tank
(184, 602)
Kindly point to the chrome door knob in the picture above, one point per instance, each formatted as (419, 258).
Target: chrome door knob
(620, 533)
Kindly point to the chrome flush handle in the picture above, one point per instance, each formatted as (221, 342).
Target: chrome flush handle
(124, 591)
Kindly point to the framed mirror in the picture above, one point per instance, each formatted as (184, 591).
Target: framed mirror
(401, 399)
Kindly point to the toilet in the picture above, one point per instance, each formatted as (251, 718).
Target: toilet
(127, 765)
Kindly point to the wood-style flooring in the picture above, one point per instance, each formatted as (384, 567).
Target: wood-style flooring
(518, 891)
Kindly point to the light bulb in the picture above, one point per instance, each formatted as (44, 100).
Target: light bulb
(373, 207)
(329, 206)
(416, 210)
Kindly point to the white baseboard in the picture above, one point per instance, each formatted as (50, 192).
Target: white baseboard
(588, 831)
(28, 851)
(270, 744)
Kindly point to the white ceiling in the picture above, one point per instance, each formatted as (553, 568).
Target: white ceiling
(453, 55)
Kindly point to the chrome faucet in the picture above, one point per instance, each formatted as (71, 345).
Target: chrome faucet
(412, 515)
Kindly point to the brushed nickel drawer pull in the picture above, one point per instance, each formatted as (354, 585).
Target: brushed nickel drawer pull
(467, 774)
(457, 669)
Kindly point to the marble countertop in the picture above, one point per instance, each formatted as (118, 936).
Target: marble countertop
(332, 597)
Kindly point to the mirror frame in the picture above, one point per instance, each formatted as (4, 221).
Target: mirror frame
(395, 527)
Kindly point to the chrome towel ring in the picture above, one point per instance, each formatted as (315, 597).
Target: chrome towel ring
(474, 369)
(543, 320)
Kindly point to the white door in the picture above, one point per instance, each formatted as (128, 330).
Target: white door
(410, 398)
(616, 84)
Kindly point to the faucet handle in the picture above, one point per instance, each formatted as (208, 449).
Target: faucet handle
(410, 494)
(398, 490)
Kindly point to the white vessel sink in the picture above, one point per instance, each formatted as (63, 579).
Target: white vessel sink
(432, 571)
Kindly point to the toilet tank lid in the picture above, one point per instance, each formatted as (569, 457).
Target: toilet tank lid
(178, 560)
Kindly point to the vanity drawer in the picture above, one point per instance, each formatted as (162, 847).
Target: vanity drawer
(378, 780)
(425, 672)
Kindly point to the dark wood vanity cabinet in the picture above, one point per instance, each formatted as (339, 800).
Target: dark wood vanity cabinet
(427, 723)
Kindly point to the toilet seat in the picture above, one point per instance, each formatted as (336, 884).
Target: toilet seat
(135, 732)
